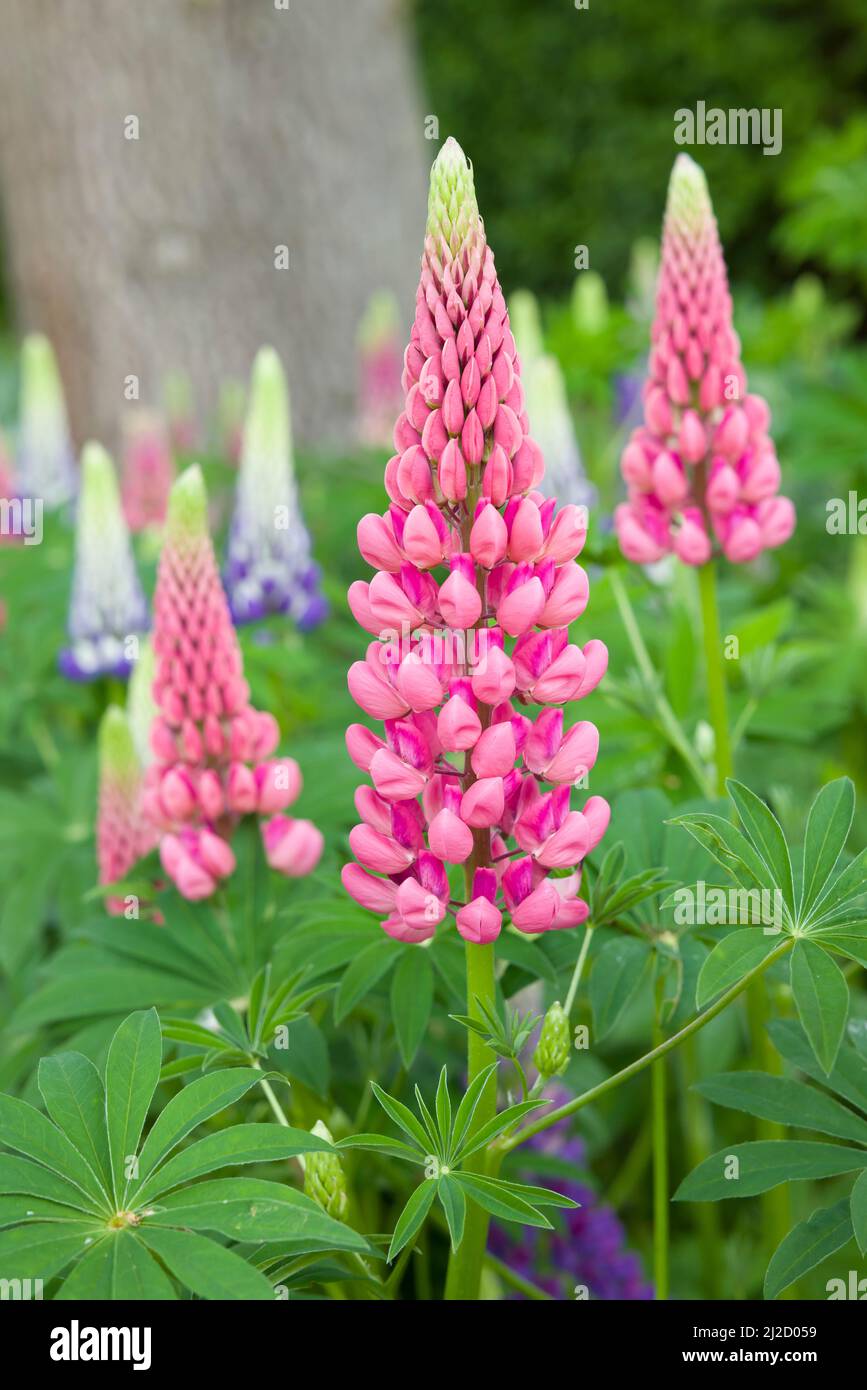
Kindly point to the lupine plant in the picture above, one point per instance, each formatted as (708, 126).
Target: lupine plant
(472, 1046)
(45, 466)
(212, 750)
(108, 612)
(270, 567)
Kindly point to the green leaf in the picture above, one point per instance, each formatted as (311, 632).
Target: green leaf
(411, 1219)
(828, 826)
(617, 974)
(500, 1200)
(366, 970)
(454, 1204)
(428, 1121)
(727, 845)
(731, 959)
(444, 1111)
(197, 1102)
(41, 1251)
(253, 1209)
(249, 1143)
(117, 1267)
(848, 887)
(107, 990)
(206, 1268)
(538, 1196)
(784, 1101)
(18, 1208)
(382, 1143)
(403, 1118)
(848, 1076)
(132, 1073)
(766, 833)
(21, 1175)
(807, 1244)
(27, 1130)
(859, 1211)
(412, 989)
(849, 946)
(468, 1105)
(497, 1125)
(759, 1166)
(822, 1000)
(74, 1097)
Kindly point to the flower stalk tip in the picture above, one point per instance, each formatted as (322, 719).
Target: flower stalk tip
(108, 612)
(701, 472)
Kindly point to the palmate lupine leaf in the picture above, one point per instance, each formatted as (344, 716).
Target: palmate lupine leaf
(824, 907)
(440, 1144)
(767, 1164)
(85, 1198)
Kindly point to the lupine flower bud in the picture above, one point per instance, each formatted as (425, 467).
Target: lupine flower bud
(45, 462)
(211, 749)
(324, 1178)
(475, 568)
(552, 1053)
(148, 471)
(702, 468)
(122, 834)
(270, 569)
(108, 612)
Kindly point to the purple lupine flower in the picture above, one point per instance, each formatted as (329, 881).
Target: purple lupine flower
(108, 612)
(588, 1248)
(270, 568)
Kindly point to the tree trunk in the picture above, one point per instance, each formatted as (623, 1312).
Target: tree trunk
(260, 124)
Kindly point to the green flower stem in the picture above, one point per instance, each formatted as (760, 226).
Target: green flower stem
(578, 971)
(668, 720)
(775, 1205)
(660, 1169)
(465, 1264)
(610, 1083)
(516, 1281)
(715, 674)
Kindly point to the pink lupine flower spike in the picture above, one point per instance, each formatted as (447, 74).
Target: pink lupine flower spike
(475, 587)
(213, 753)
(701, 471)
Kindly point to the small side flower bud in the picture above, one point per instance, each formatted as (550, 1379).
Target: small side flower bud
(324, 1179)
(552, 1050)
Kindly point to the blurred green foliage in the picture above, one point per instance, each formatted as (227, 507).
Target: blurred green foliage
(568, 116)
